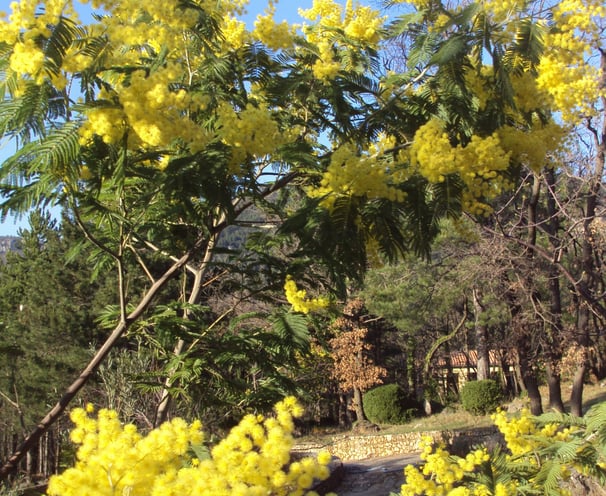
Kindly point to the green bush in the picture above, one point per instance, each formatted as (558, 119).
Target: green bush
(389, 404)
(481, 397)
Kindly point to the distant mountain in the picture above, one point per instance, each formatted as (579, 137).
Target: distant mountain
(9, 243)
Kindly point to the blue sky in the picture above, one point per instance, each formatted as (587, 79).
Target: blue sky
(285, 10)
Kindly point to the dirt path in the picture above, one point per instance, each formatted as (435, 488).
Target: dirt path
(374, 477)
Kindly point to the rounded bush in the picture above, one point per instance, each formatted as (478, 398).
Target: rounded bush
(481, 397)
(389, 404)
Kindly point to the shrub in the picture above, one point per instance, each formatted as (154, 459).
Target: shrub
(389, 404)
(481, 397)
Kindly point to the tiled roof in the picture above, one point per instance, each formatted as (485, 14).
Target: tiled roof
(464, 359)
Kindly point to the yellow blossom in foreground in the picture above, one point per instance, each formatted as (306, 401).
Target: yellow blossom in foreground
(117, 459)
(360, 27)
(27, 58)
(482, 474)
(254, 458)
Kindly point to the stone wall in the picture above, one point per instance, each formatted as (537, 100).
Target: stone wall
(361, 447)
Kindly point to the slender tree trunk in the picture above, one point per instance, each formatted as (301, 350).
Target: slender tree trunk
(578, 380)
(588, 277)
(436, 345)
(358, 406)
(576, 395)
(164, 404)
(554, 338)
(343, 411)
(532, 387)
(554, 383)
(165, 400)
(529, 376)
(483, 365)
(411, 369)
(53, 415)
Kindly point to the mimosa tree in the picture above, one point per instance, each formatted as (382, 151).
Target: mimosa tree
(158, 124)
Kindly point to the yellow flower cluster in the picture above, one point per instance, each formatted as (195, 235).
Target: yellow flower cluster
(327, 66)
(565, 71)
(251, 131)
(116, 459)
(274, 35)
(108, 123)
(123, 26)
(22, 29)
(478, 164)
(472, 475)
(442, 473)
(363, 24)
(527, 143)
(527, 95)
(351, 173)
(135, 30)
(156, 114)
(359, 24)
(234, 31)
(328, 12)
(299, 300)
(27, 22)
(477, 84)
(522, 433)
(27, 59)
(254, 458)
(501, 10)
(532, 146)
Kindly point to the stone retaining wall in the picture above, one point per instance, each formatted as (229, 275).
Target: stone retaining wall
(361, 447)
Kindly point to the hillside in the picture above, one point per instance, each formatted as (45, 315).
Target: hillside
(8, 243)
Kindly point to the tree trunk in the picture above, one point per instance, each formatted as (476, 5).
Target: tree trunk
(411, 369)
(528, 372)
(358, 406)
(578, 381)
(53, 415)
(483, 365)
(529, 378)
(576, 395)
(343, 414)
(589, 278)
(199, 272)
(554, 384)
(554, 328)
(534, 395)
(435, 346)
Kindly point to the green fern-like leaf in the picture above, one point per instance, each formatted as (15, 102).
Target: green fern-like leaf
(452, 50)
(550, 476)
(292, 328)
(595, 420)
(62, 37)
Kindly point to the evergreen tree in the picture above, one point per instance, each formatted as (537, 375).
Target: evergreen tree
(47, 327)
